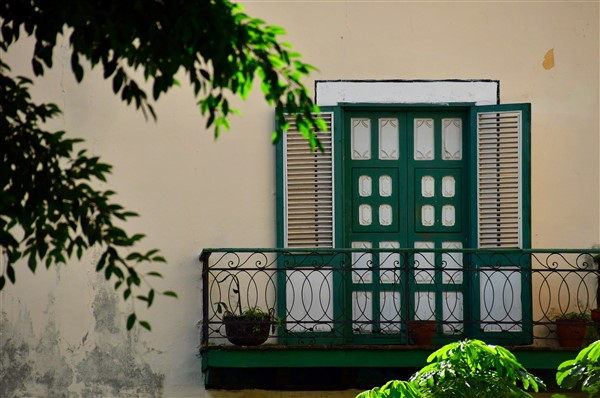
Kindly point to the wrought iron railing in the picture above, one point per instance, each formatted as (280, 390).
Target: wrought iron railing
(369, 296)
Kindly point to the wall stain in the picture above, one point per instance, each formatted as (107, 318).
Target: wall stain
(15, 364)
(51, 369)
(108, 361)
(548, 59)
(114, 372)
(111, 368)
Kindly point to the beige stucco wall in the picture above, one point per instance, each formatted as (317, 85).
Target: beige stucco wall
(193, 192)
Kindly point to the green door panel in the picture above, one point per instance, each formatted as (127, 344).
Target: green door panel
(438, 200)
(375, 200)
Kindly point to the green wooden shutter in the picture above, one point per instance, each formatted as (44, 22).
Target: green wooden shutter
(307, 189)
(500, 138)
(502, 175)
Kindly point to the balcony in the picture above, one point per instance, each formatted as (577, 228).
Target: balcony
(351, 308)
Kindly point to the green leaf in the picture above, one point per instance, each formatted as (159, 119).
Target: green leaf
(146, 325)
(150, 297)
(76, 67)
(170, 293)
(10, 273)
(38, 69)
(32, 262)
(131, 321)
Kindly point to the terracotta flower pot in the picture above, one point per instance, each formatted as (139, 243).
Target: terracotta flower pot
(422, 332)
(570, 332)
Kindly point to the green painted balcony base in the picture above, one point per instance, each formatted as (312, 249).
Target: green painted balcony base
(297, 367)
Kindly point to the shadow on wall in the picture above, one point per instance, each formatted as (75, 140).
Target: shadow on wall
(107, 361)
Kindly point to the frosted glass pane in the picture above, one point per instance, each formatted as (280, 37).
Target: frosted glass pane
(309, 300)
(427, 186)
(364, 215)
(424, 143)
(361, 139)
(452, 263)
(385, 215)
(451, 139)
(385, 186)
(452, 312)
(500, 295)
(425, 306)
(361, 263)
(389, 263)
(388, 139)
(448, 187)
(390, 312)
(448, 216)
(424, 263)
(427, 215)
(362, 312)
(364, 185)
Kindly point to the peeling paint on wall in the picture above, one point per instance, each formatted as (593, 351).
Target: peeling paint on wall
(548, 59)
(15, 365)
(107, 361)
(112, 367)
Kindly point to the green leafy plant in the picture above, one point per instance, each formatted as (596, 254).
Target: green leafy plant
(474, 369)
(574, 316)
(584, 368)
(50, 205)
(393, 389)
(253, 314)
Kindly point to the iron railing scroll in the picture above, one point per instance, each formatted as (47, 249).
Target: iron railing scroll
(369, 296)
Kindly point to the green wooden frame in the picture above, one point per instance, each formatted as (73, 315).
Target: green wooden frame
(471, 293)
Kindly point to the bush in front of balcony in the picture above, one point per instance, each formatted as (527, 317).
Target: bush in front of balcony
(464, 369)
(584, 368)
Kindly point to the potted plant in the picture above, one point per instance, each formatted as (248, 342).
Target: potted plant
(422, 332)
(249, 327)
(595, 313)
(570, 329)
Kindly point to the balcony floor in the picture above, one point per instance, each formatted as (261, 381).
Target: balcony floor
(348, 366)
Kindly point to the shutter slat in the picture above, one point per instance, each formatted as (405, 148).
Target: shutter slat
(308, 188)
(499, 179)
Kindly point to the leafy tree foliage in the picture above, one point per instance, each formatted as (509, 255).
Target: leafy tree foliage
(393, 389)
(585, 368)
(464, 369)
(49, 206)
(472, 368)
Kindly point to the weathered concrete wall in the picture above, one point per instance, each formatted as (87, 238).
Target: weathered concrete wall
(62, 331)
(48, 360)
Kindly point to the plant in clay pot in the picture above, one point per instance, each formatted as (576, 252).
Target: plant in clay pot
(571, 328)
(422, 332)
(595, 313)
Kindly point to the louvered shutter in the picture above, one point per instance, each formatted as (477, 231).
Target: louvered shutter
(308, 188)
(502, 175)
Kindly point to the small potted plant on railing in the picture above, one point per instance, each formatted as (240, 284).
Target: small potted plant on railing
(570, 328)
(249, 327)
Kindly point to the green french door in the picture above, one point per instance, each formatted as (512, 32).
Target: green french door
(405, 185)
